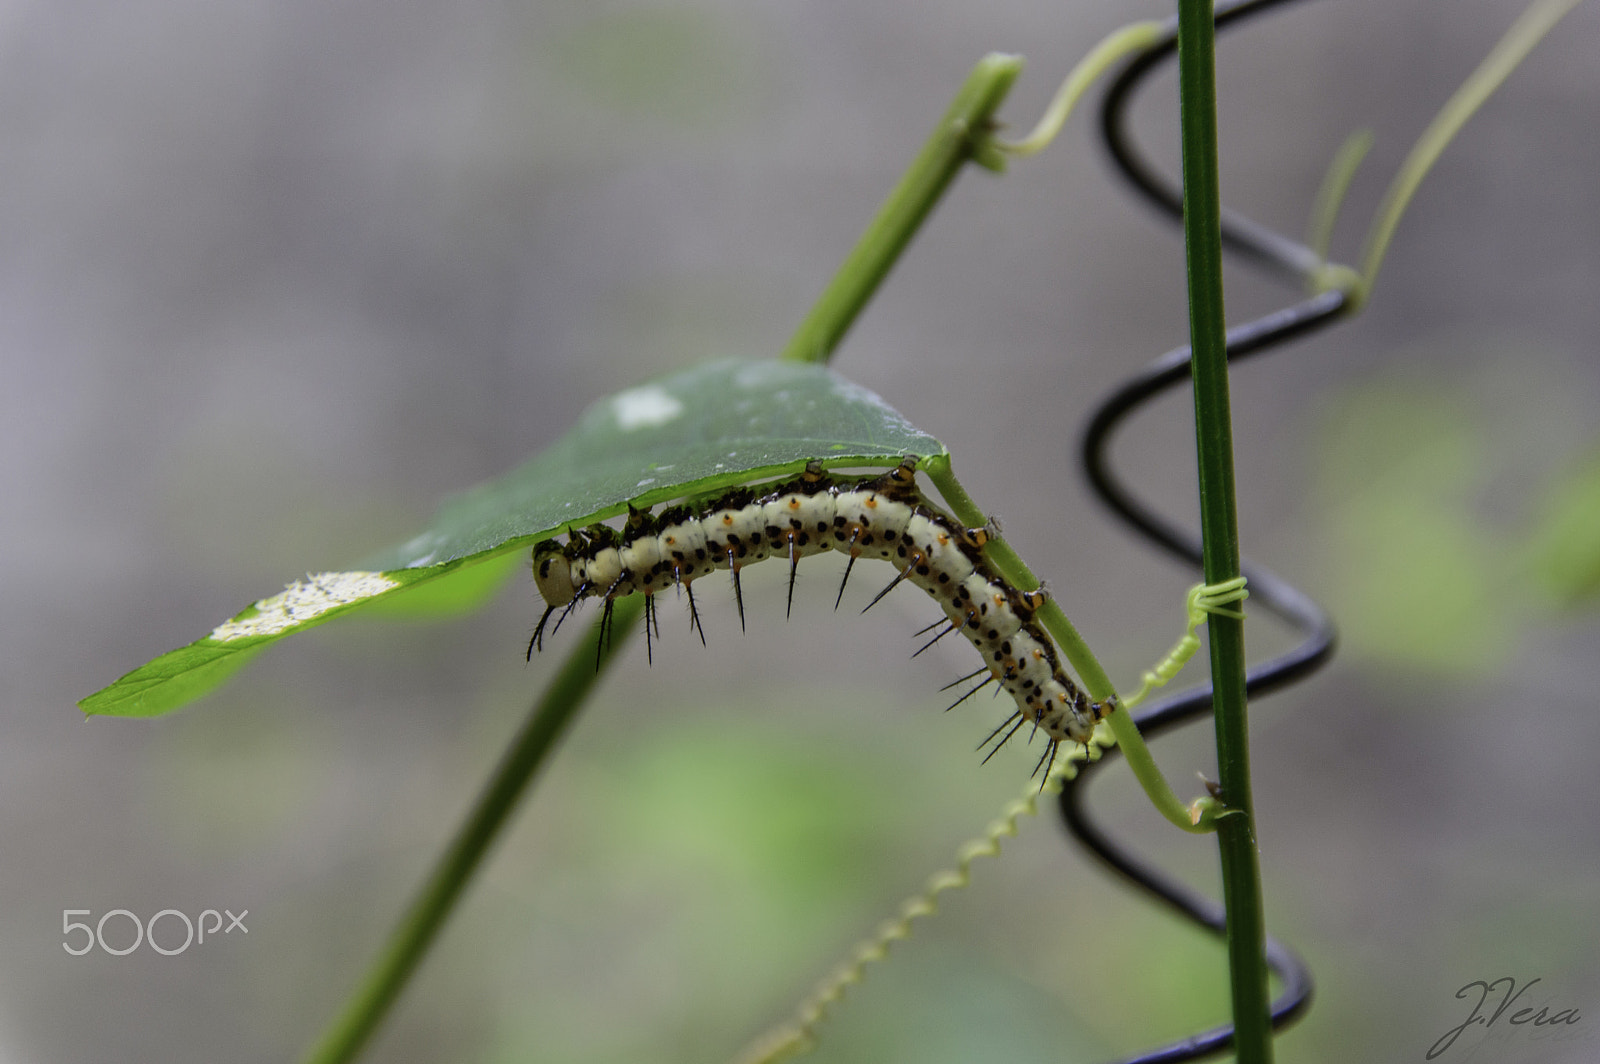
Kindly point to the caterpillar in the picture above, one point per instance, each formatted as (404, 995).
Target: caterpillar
(881, 516)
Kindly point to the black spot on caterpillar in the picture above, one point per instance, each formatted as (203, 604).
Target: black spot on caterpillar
(883, 516)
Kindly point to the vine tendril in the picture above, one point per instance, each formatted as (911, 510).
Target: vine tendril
(1202, 600)
(798, 1036)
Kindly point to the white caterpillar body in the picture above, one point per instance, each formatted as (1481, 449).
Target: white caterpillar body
(883, 517)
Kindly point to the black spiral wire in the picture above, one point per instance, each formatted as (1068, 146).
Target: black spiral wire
(1294, 262)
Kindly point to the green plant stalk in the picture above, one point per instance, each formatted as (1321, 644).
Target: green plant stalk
(1010, 565)
(962, 135)
(1095, 680)
(410, 939)
(1202, 225)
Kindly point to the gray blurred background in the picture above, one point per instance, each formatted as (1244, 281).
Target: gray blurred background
(275, 277)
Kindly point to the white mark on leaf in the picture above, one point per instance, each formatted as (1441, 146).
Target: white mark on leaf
(303, 601)
(757, 374)
(645, 407)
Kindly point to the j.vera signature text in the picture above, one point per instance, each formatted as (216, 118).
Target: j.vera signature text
(1481, 993)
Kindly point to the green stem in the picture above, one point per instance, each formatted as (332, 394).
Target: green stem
(410, 939)
(1241, 876)
(1010, 565)
(1095, 681)
(961, 135)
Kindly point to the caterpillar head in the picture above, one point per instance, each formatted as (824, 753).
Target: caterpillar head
(552, 573)
(1066, 713)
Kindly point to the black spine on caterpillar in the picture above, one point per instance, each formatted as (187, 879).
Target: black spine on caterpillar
(884, 517)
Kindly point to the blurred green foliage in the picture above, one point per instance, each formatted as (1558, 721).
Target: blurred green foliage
(1449, 532)
(1565, 552)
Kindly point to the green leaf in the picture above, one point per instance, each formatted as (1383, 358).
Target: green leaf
(684, 436)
